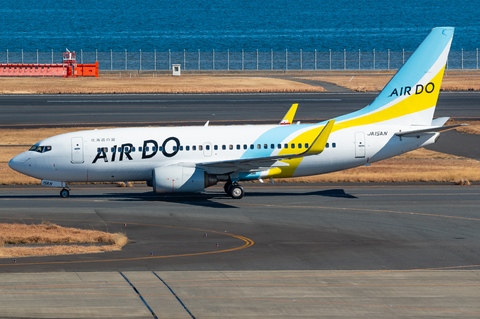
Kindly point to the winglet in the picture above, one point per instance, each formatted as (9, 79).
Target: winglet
(288, 118)
(319, 144)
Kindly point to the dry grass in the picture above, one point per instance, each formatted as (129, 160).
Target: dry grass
(473, 127)
(403, 170)
(15, 252)
(162, 84)
(364, 83)
(46, 233)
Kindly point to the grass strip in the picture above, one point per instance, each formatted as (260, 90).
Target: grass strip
(47, 233)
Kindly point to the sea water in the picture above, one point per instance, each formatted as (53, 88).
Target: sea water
(232, 25)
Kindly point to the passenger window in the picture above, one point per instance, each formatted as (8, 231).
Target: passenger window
(105, 149)
(181, 148)
(299, 145)
(285, 145)
(327, 146)
(279, 146)
(238, 146)
(160, 148)
(252, 146)
(259, 146)
(153, 149)
(98, 150)
(215, 147)
(293, 145)
(265, 146)
(139, 149)
(334, 145)
(224, 147)
(187, 148)
(207, 147)
(200, 147)
(125, 149)
(272, 146)
(133, 149)
(147, 149)
(245, 146)
(175, 148)
(306, 145)
(230, 147)
(194, 148)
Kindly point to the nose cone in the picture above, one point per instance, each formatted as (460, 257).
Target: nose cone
(18, 163)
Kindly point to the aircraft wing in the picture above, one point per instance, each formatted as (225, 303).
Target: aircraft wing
(263, 163)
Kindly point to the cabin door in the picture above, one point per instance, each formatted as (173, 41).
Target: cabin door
(360, 147)
(77, 150)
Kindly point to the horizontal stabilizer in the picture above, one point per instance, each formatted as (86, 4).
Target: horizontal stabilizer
(440, 121)
(418, 133)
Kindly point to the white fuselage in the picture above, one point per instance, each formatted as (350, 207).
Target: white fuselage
(130, 154)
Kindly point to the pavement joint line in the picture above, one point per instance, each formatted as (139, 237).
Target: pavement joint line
(139, 295)
(144, 284)
(247, 243)
(333, 303)
(332, 274)
(173, 293)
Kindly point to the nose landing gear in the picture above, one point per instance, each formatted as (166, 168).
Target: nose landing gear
(234, 190)
(64, 193)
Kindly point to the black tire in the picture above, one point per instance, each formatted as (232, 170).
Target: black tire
(236, 191)
(64, 193)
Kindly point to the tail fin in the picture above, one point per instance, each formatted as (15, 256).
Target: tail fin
(411, 95)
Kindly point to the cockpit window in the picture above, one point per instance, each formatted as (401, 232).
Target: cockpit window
(40, 149)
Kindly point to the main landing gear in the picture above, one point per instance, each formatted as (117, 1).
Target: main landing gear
(234, 190)
(64, 193)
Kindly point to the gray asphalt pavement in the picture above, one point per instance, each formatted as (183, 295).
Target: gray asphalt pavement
(196, 109)
(293, 227)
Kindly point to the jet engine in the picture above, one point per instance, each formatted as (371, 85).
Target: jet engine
(175, 178)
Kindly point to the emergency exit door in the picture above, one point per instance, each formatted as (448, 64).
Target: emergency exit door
(360, 147)
(77, 150)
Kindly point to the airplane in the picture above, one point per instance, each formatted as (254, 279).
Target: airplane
(190, 159)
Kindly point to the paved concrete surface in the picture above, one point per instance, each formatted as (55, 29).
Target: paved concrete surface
(243, 294)
(171, 109)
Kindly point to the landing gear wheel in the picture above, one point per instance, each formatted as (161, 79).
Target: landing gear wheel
(64, 193)
(236, 191)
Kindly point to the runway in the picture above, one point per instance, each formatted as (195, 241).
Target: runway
(19, 111)
(287, 250)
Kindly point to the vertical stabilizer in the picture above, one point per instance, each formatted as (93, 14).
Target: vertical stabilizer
(411, 95)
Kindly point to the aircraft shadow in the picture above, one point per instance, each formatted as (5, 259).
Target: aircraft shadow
(203, 199)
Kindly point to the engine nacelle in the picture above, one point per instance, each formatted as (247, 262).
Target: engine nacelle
(175, 178)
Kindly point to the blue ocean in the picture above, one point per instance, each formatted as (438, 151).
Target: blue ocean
(223, 25)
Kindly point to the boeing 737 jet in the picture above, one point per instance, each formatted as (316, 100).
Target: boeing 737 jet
(190, 159)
